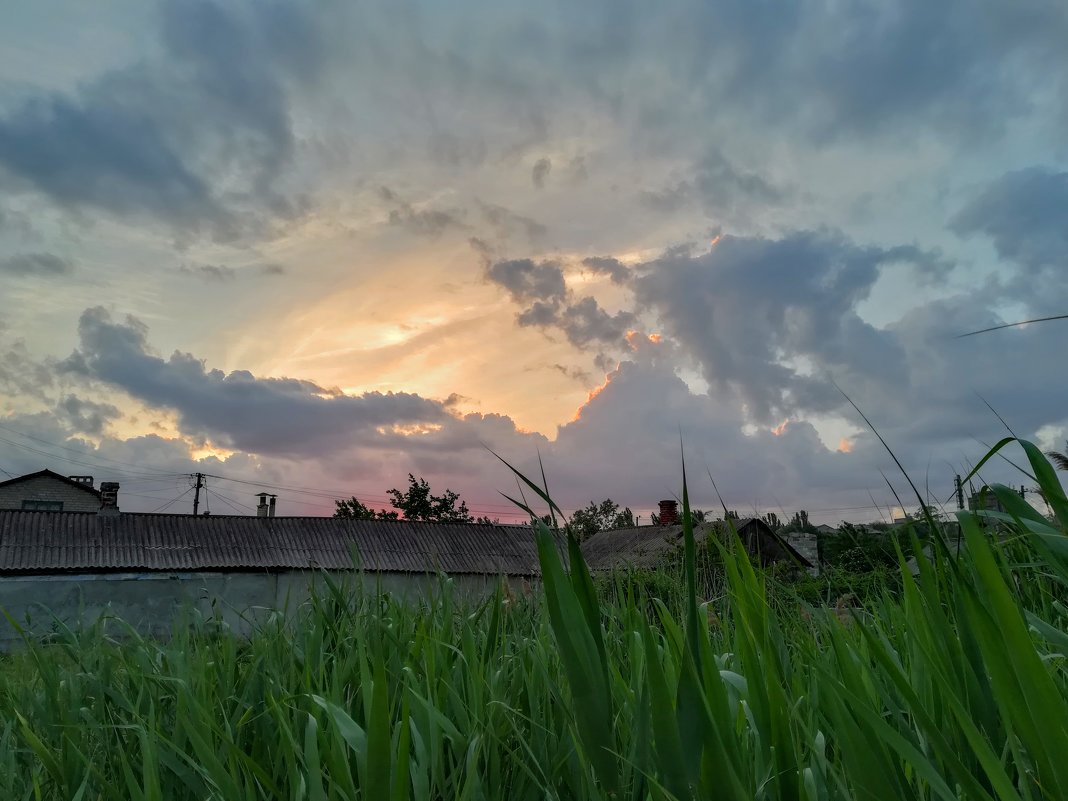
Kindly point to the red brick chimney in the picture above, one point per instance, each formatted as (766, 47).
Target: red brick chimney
(669, 513)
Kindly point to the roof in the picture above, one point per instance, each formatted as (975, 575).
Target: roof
(646, 545)
(50, 542)
(640, 547)
(50, 474)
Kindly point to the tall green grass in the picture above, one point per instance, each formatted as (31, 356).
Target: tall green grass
(953, 686)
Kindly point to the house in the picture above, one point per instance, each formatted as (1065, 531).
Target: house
(647, 546)
(45, 491)
(75, 566)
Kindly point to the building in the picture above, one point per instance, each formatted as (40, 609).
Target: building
(45, 491)
(647, 546)
(64, 566)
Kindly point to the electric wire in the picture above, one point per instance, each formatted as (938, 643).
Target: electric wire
(169, 503)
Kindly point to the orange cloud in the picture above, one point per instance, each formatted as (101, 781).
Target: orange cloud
(593, 393)
(781, 427)
(845, 445)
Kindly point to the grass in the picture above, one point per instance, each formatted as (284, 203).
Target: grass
(954, 686)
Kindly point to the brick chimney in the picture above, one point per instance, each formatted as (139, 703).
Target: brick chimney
(109, 497)
(669, 513)
(271, 505)
(261, 508)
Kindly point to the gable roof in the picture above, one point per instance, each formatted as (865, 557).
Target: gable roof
(49, 542)
(645, 546)
(53, 475)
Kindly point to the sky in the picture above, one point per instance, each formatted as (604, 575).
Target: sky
(314, 247)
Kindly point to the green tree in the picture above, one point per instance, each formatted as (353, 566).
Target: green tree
(772, 521)
(603, 516)
(353, 509)
(418, 503)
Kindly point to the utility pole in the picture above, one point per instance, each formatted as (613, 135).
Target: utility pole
(960, 492)
(196, 495)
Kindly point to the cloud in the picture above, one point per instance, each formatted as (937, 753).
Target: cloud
(85, 416)
(422, 222)
(507, 223)
(217, 273)
(586, 323)
(542, 168)
(1024, 214)
(718, 186)
(616, 270)
(259, 415)
(542, 288)
(195, 139)
(42, 264)
(527, 280)
(752, 311)
(221, 273)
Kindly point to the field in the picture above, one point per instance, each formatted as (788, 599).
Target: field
(952, 687)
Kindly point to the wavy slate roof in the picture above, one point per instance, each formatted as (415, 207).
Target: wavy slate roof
(50, 542)
(645, 546)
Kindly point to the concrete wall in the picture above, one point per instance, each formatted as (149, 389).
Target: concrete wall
(45, 488)
(152, 602)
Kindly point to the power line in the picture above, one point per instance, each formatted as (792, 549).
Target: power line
(228, 501)
(79, 451)
(80, 463)
(160, 509)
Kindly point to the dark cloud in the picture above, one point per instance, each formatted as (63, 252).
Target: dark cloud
(221, 273)
(527, 280)
(539, 314)
(585, 323)
(218, 273)
(506, 223)
(85, 416)
(422, 222)
(41, 264)
(195, 140)
(23, 375)
(718, 186)
(606, 265)
(258, 415)
(1025, 214)
(751, 310)
(540, 172)
(549, 304)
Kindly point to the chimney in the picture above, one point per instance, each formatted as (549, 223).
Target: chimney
(669, 513)
(109, 497)
(261, 508)
(271, 505)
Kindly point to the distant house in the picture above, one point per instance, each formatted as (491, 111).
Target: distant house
(144, 567)
(45, 491)
(647, 546)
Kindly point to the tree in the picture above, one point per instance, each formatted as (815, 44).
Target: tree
(419, 504)
(772, 521)
(352, 509)
(604, 516)
(799, 522)
(1058, 458)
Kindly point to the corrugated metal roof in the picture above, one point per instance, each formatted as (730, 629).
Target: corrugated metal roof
(645, 546)
(44, 542)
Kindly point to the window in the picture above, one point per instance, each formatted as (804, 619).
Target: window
(42, 506)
